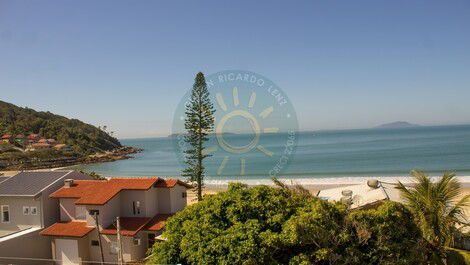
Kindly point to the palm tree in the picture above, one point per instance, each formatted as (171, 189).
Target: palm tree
(294, 188)
(437, 209)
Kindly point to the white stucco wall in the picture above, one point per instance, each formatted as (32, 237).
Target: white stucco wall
(108, 212)
(19, 221)
(177, 201)
(127, 199)
(67, 209)
(151, 202)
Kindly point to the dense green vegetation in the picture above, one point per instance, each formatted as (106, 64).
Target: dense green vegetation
(264, 225)
(437, 209)
(458, 257)
(83, 138)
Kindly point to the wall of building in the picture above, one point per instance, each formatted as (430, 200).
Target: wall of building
(178, 202)
(67, 209)
(108, 212)
(127, 199)
(18, 220)
(31, 245)
(151, 201)
(84, 249)
(164, 200)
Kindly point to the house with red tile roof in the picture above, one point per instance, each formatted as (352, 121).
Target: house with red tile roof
(32, 138)
(7, 139)
(88, 217)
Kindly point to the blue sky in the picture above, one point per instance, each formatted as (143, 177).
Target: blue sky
(343, 64)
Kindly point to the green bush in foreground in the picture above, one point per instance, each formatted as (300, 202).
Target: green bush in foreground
(263, 225)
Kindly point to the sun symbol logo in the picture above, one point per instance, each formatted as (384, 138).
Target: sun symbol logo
(255, 128)
(252, 119)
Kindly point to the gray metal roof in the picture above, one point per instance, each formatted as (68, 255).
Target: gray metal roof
(2, 179)
(30, 183)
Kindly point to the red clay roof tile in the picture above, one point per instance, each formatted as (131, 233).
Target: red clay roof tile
(158, 222)
(98, 192)
(71, 229)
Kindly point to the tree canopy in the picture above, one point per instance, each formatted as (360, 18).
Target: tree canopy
(438, 209)
(199, 122)
(265, 225)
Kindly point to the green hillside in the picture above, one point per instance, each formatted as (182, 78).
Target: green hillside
(84, 138)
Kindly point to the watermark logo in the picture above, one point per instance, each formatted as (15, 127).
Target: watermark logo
(255, 129)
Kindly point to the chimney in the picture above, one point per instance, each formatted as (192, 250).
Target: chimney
(68, 183)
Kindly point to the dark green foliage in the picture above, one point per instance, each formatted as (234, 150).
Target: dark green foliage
(84, 138)
(199, 123)
(264, 225)
(93, 174)
(438, 208)
(387, 235)
(458, 257)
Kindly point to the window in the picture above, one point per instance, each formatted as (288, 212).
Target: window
(5, 214)
(136, 241)
(34, 210)
(184, 194)
(113, 247)
(93, 212)
(25, 210)
(136, 207)
(95, 243)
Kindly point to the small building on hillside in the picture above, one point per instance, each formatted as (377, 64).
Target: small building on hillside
(62, 147)
(38, 146)
(33, 138)
(52, 141)
(7, 139)
(362, 196)
(89, 211)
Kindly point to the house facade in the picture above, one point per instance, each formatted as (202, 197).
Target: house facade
(87, 231)
(26, 209)
(7, 139)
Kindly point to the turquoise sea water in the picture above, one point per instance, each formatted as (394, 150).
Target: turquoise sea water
(368, 152)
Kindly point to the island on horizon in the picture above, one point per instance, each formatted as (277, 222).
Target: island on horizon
(397, 124)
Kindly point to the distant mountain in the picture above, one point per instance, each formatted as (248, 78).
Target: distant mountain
(84, 138)
(397, 124)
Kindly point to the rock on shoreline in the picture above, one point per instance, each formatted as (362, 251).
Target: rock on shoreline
(65, 161)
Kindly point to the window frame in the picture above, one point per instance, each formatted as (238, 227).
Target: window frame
(35, 210)
(2, 213)
(135, 208)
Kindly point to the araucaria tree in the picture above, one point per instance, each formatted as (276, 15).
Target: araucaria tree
(199, 123)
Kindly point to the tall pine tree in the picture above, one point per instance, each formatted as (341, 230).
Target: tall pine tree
(199, 122)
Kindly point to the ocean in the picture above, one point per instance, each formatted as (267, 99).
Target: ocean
(320, 154)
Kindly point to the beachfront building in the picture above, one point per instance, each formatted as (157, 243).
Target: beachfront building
(362, 196)
(25, 209)
(87, 230)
